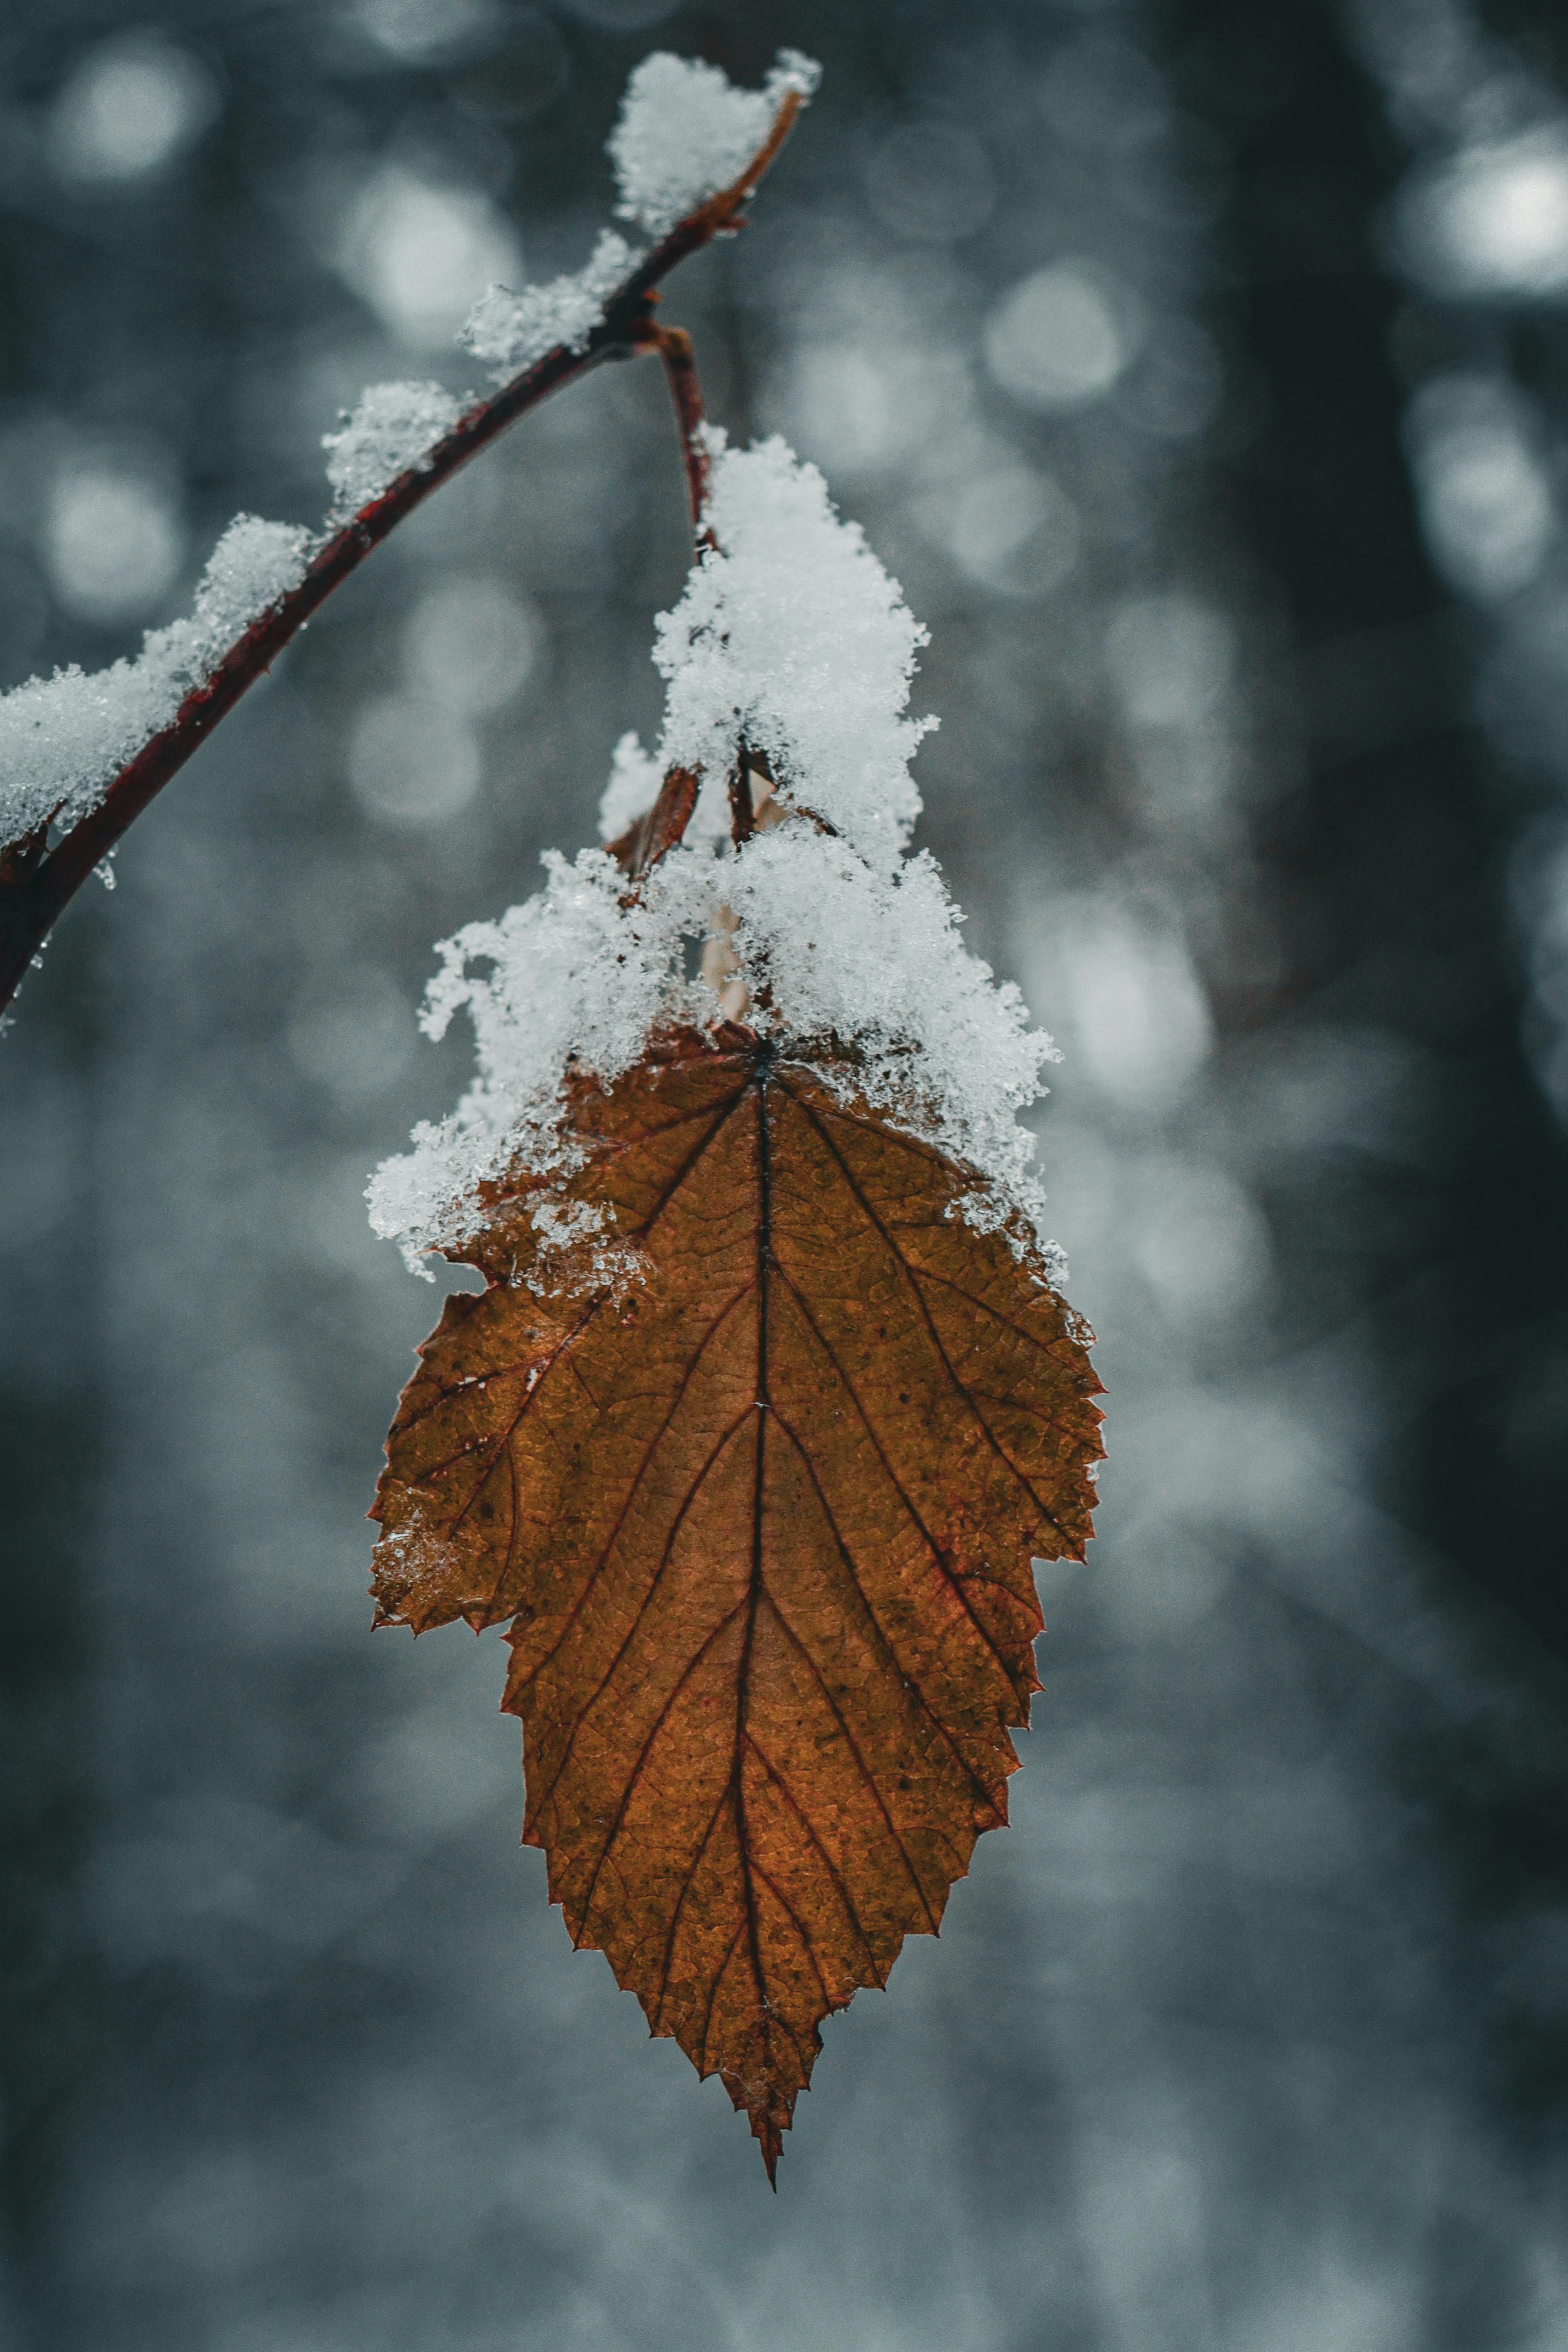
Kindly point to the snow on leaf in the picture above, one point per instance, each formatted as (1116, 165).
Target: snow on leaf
(577, 973)
(762, 1519)
(632, 790)
(794, 642)
(581, 975)
(831, 950)
(650, 838)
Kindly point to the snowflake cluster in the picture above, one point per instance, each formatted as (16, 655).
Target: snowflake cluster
(513, 331)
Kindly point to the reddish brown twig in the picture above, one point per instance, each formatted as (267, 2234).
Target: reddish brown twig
(37, 878)
(673, 345)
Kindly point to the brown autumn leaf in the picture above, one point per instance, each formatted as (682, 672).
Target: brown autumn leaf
(763, 1513)
(654, 833)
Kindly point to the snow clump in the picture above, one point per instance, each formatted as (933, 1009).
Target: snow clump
(571, 969)
(394, 427)
(63, 739)
(514, 330)
(685, 132)
(790, 641)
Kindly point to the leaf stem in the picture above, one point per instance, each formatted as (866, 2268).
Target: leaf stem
(40, 878)
(673, 345)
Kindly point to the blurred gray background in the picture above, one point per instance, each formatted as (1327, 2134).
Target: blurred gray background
(1201, 369)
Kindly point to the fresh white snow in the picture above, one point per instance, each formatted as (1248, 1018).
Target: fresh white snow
(512, 330)
(63, 739)
(633, 788)
(685, 132)
(394, 427)
(790, 638)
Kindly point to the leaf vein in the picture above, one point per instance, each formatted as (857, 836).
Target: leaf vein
(660, 1719)
(787, 1907)
(685, 1885)
(586, 1710)
(809, 1826)
(852, 1744)
(944, 1570)
(980, 1420)
(591, 1581)
(720, 1974)
(882, 1635)
(725, 1112)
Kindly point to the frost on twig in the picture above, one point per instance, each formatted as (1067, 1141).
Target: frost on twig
(684, 134)
(63, 739)
(792, 640)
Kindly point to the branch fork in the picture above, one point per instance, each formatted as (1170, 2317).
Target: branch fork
(41, 872)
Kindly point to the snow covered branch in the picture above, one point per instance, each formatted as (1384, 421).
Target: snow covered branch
(80, 757)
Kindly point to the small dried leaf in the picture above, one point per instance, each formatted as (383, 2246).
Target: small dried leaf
(654, 835)
(762, 1509)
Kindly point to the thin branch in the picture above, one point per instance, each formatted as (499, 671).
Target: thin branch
(653, 835)
(673, 345)
(39, 879)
